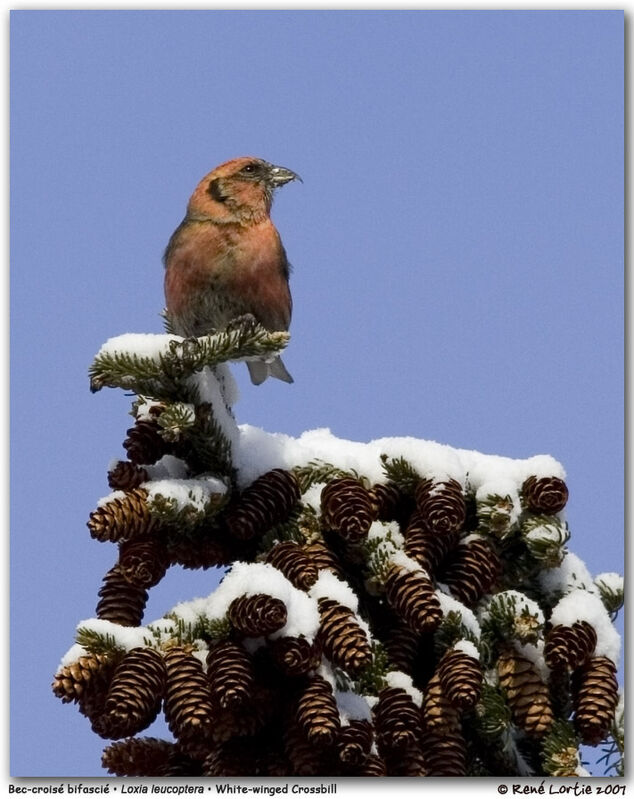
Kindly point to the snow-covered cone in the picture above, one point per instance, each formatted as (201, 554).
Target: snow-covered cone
(144, 443)
(569, 647)
(147, 757)
(143, 562)
(230, 674)
(545, 494)
(258, 614)
(411, 595)
(266, 502)
(441, 504)
(135, 693)
(438, 713)
(188, 706)
(346, 507)
(471, 570)
(343, 641)
(596, 695)
(445, 754)
(125, 475)
(397, 720)
(526, 692)
(425, 545)
(121, 601)
(294, 563)
(123, 516)
(460, 675)
(317, 713)
(71, 682)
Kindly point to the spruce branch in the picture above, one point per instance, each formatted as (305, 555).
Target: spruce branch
(372, 678)
(400, 471)
(97, 643)
(320, 472)
(560, 750)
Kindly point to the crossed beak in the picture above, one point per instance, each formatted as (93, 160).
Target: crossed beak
(279, 175)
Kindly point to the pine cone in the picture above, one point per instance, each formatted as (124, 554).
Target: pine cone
(268, 501)
(135, 693)
(71, 682)
(442, 505)
(143, 562)
(295, 655)
(121, 602)
(471, 571)
(230, 674)
(294, 563)
(144, 443)
(317, 713)
(355, 742)
(596, 695)
(408, 763)
(236, 758)
(397, 720)
(202, 552)
(545, 495)
(123, 517)
(147, 757)
(526, 693)
(402, 645)
(346, 507)
(323, 557)
(461, 678)
(388, 502)
(425, 545)
(306, 759)
(438, 714)
(343, 641)
(258, 614)
(411, 595)
(125, 476)
(188, 706)
(445, 755)
(569, 647)
(373, 766)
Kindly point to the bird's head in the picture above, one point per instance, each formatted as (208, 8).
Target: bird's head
(239, 190)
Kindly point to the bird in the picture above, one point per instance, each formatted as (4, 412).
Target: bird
(226, 258)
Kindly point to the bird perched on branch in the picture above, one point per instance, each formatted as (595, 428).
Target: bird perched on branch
(226, 258)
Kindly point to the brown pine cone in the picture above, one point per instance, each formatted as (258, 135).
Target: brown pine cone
(123, 517)
(388, 502)
(397, 720)
(425, 545)
(343, 641)
(143, 562)
(135, 693)
(461, 678)
(545, 495)
(526, 693)
(144, 443)
(355, 741)
(442, 505)
(411, 595)
(147, 757)
(230, 674)
(120, 601)
(295, 655)
(294, 563)
(445, 755)
(125, 476)
(402, 645)
(438, 714)
(471, 571)
(317, 713)
(305, 759)
(595, 697)
(323, 557)
(188, 706)
(71, 682)
(569, 647)
(346, 507)
(268, 501)
(373, 766)
(235, 758)
(258, 614)
(408, 763)
(203, 552)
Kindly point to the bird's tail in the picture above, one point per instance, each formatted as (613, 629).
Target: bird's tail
(260, 370)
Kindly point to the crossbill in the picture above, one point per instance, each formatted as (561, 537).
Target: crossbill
(226, 258)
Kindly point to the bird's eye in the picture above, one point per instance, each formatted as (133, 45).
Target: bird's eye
(250, 169)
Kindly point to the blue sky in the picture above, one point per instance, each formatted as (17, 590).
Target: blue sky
(457, 247)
